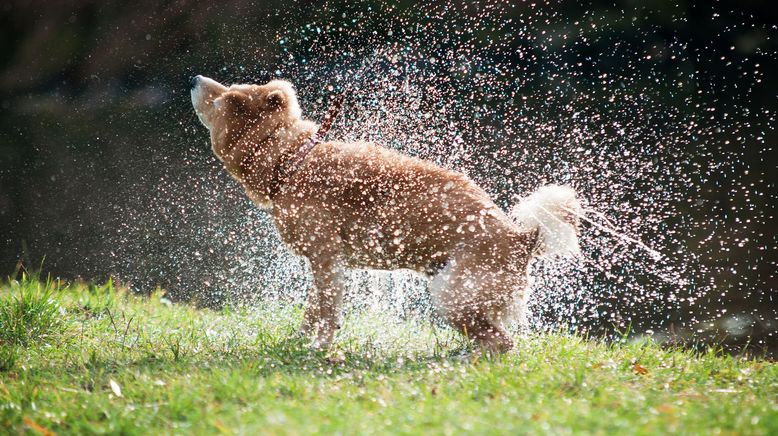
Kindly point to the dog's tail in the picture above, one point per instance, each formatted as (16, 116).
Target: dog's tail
(553, 212)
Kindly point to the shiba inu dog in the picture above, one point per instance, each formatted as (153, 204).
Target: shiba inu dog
(361, 205)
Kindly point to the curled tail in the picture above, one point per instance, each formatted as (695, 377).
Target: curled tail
(552, 211)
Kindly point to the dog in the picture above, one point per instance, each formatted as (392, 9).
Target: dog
(360, 205)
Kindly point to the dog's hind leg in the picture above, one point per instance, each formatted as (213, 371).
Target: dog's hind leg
(475, 299)
(482, 327)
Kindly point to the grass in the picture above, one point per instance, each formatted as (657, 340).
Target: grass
(28, 312)
(82, 359)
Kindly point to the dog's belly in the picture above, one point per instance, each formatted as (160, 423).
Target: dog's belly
(386, 238)
(378, 249)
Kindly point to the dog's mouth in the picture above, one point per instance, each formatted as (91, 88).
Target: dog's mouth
(195, 99)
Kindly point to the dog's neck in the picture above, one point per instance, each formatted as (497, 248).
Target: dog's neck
(269, 153)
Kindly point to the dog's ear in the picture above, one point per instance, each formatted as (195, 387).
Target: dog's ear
(276, 99)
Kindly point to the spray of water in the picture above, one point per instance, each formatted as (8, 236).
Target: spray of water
(515, 96)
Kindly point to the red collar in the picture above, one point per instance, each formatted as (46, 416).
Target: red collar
(288, 168)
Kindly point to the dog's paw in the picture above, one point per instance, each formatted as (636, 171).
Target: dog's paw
(320, 344)
(336, 358)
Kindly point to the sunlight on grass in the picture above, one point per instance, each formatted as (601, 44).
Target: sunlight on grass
(101, 359)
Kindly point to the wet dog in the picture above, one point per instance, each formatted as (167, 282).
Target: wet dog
(361, 205)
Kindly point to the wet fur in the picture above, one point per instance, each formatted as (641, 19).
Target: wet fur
(362, 205)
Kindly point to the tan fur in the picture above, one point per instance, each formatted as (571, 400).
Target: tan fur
(362, 205)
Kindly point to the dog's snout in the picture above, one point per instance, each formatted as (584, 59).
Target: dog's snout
(194, 79)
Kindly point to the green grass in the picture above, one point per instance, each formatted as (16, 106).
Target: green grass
(28, 312)
(96, 359)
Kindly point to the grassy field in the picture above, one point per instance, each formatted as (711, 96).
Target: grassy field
(94, 359)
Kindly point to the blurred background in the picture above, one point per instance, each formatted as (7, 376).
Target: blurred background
(104, 170)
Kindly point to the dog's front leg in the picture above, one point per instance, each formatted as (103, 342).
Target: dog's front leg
(311, 315)
(323, 313)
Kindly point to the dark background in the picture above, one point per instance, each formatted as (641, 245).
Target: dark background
(105, 172)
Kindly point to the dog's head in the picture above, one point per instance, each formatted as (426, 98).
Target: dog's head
(230, 112)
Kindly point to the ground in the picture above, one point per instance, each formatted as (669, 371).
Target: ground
(81, 358)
